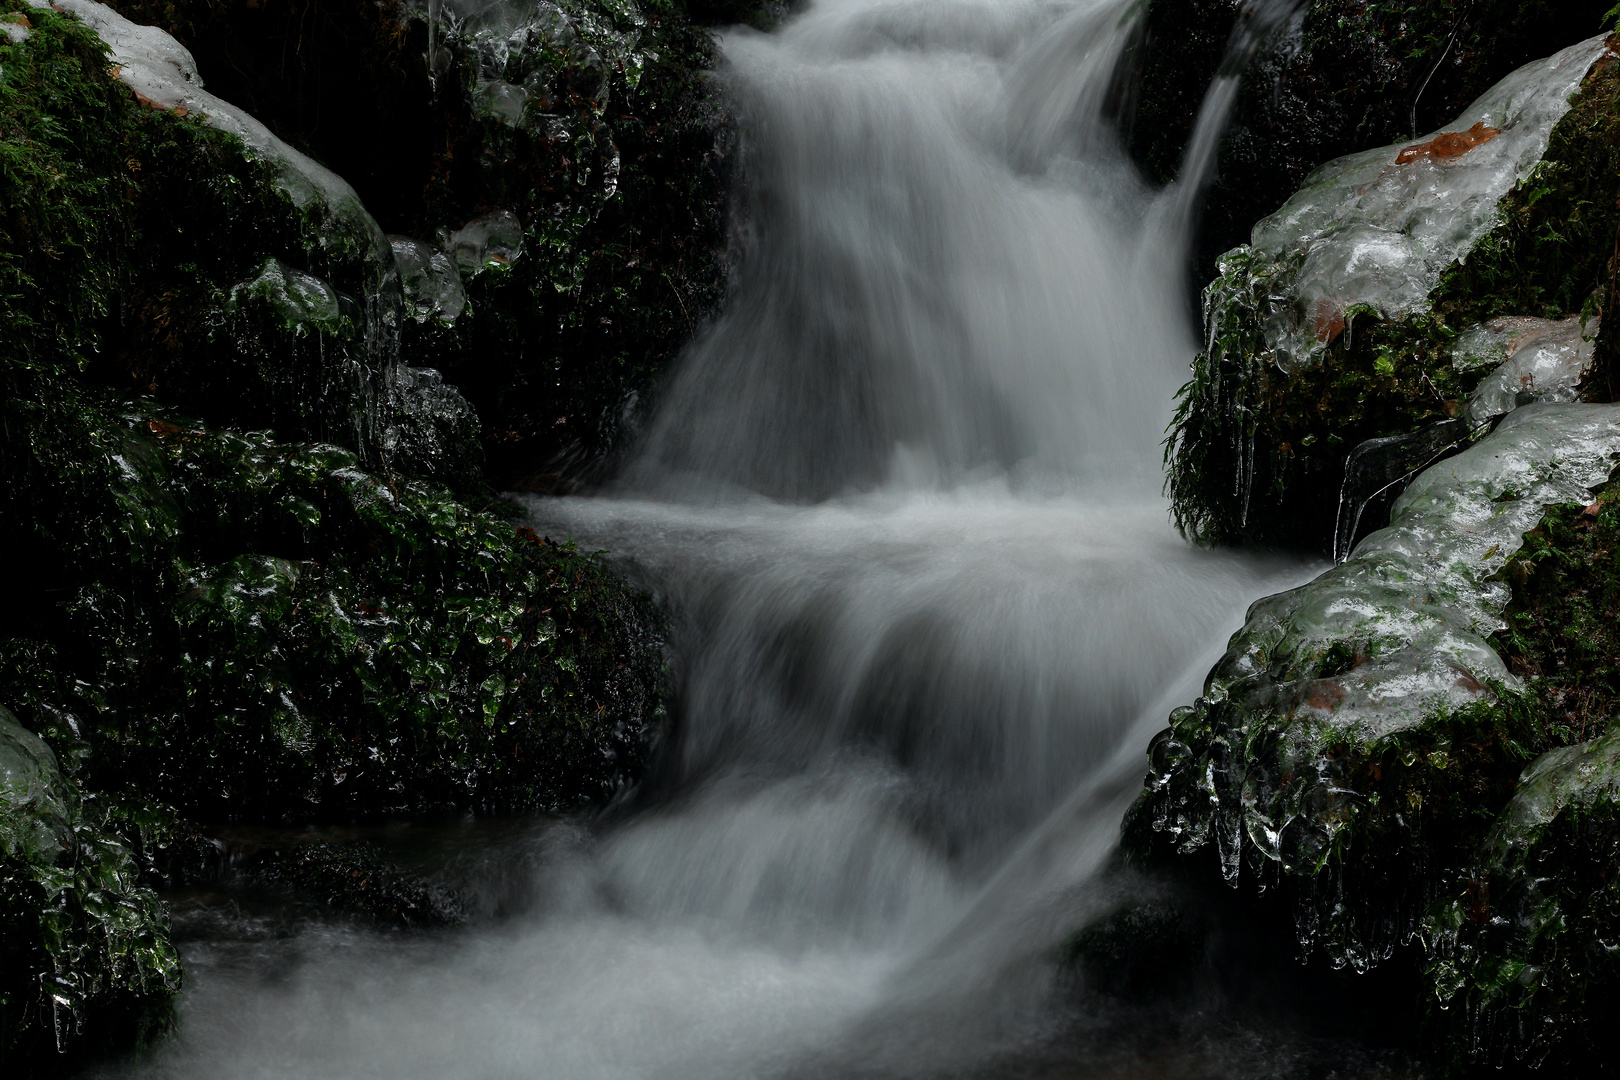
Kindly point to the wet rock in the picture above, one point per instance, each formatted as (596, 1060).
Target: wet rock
(432, 431)
(85, 956)
(1142, 948)
(356, 878)
(237, 278)
(1339, 323)
(1360, 730)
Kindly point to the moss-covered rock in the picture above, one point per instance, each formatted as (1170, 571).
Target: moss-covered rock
(1346, 75)
(214, 267)
(1524, 954)
(593, 123)
(302, 639)
(1563, 623)
(85, 956)
(206, 621)
(1360, 733)
(1347, 319)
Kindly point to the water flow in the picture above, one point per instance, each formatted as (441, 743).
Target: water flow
(903, 501)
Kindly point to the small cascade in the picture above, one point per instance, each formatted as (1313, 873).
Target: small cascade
(903, 501)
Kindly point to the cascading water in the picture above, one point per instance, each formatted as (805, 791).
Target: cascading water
(903, 500)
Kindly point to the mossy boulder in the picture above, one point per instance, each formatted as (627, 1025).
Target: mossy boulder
(85, 955)
(297, 638)
(1358, 737)
(594, 125)
(1343, 76)
(222, 616)
(1349, 317)
(214, 266)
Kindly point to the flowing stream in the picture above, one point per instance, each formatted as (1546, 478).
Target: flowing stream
(903, 500)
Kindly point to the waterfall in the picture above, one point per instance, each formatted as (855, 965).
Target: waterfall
(903, 501)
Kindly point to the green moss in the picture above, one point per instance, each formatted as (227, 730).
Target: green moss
(305, 639)
(1256, 453)
(1563, 624)
(134, 253)
(85, 955)
(1522, 953)
(217, 624)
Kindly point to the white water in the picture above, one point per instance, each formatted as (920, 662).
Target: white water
(904, 501)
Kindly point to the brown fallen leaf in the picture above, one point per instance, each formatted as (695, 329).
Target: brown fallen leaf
(1327, 320)
(1450, 144)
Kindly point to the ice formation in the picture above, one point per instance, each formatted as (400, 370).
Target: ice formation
(1375, 230)
(430, 280)
(1270, 761)
(1536, 360)
(494, 240)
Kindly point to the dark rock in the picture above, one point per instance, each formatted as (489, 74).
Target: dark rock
(593, 126)
(356, 878)
(1523, 953)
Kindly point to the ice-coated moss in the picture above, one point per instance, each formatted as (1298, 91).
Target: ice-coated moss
(1523, 953)
(85, 956)
(1341, 323)
(1360, 730)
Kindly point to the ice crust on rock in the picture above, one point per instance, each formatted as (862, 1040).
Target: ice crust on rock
(492, 241)
(1366, 232)
(304, 302)
(1264, 764)
(1546, 360)
(1416, 599)
(432, 284)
